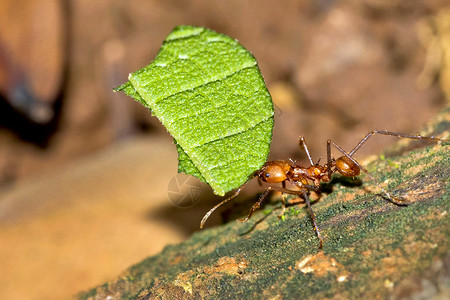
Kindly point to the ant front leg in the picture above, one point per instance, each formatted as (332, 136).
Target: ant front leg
(257, 204)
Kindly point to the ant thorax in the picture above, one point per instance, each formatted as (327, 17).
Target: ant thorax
(304, 175)
(299, 174)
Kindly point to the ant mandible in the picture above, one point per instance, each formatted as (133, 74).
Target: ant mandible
(309, 178)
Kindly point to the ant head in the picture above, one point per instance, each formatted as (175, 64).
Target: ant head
(274, 171)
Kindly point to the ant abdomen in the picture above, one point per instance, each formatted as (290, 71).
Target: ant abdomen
(347, 167)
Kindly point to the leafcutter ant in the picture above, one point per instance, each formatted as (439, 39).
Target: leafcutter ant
(308, 178)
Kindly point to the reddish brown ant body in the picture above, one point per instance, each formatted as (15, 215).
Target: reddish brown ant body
(309, 178)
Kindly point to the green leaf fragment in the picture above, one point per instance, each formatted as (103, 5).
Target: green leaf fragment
(186, 165)
(208, 92)
(129, 90)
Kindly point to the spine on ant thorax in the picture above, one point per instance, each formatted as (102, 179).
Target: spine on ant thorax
(305, 176)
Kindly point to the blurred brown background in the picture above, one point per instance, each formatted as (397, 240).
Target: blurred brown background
(84, 172)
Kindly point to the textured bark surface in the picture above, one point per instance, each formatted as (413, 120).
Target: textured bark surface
(372, 248)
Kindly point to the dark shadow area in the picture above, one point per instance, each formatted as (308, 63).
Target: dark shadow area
(327, 187)
(188, 219)
(26, 129)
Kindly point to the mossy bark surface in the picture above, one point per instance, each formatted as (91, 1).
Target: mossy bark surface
(372, 248)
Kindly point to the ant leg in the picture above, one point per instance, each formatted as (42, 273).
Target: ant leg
(275, 188)
(284, 191)
(283, 205)
(257, 204)
(329, 160)
(313, 218)
(206, 216)
(303, 145)
(283, 200)
(395, 200)
(297, 192)
(390, 133)
(302, 192)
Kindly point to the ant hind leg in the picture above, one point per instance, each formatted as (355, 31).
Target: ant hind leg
(396, 200)
(396, 134)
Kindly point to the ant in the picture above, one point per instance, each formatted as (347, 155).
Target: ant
(309, 178)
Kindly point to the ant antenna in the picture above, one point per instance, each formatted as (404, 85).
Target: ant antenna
(202, 223)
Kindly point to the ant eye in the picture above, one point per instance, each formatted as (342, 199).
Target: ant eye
(267, 175)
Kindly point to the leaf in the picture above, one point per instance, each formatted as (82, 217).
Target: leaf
(207, 90)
